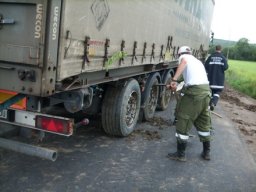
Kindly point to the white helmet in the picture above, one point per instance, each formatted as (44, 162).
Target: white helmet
(184, 49)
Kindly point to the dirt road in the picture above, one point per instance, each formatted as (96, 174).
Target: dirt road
(241, 109)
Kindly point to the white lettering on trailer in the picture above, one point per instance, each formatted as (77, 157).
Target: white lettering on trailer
(55, 23)
(39, 19)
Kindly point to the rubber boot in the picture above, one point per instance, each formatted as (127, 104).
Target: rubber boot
(179, 155)
(206, 150)
(211, 105)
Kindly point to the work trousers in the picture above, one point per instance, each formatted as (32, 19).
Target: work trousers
(192, 109)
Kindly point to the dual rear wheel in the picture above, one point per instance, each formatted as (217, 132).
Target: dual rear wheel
(122, 104)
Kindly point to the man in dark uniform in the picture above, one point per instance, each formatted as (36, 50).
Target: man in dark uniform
(215, 66)
(192, 108)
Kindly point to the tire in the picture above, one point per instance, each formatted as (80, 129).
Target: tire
(165, 94)
(150, 96)
(120, 108)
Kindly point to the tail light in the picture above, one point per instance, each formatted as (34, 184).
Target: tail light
(61, 126)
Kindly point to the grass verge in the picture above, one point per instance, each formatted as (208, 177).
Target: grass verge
(241, 75)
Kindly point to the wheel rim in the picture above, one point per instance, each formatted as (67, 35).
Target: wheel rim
(167, 96)
(131, 109)
(152, 103)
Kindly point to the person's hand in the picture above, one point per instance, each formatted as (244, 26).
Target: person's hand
(172, 86)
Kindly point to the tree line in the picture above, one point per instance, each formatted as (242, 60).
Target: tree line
(242, 50)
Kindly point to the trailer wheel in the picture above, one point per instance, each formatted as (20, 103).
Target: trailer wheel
(120, 109)
(150, 96)
(165, 94)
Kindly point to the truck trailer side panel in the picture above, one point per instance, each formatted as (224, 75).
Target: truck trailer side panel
(44, 44)
(130, 26)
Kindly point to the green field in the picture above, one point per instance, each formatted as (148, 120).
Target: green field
(241, 75)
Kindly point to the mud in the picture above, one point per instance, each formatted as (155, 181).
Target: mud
(237, 98)
(241, 110)
(145, 134)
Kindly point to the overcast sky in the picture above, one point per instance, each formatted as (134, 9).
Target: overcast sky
(234, 19)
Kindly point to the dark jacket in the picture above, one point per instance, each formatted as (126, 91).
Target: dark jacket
(215, 66)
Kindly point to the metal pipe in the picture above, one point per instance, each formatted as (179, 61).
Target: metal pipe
(28, 149)
(214, 113)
